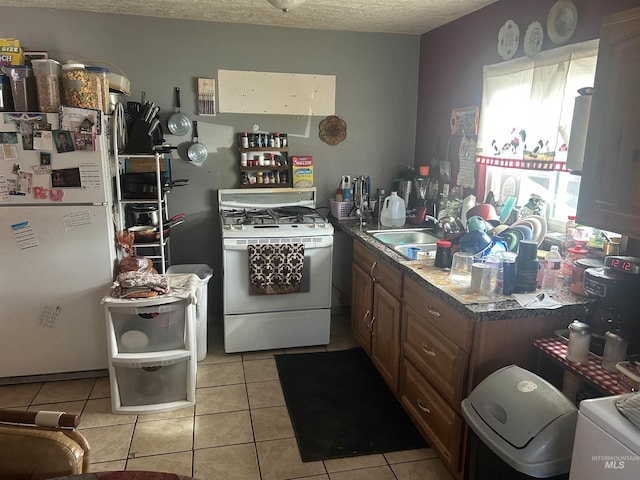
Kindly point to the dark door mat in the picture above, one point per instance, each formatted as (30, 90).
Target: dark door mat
(341, 407)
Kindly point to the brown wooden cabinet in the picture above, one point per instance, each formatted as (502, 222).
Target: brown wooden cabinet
(435, 344)
(376, 309)
(432, 354)
(609, 193)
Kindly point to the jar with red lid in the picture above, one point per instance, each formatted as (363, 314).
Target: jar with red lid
(444, 254)
(573, 254)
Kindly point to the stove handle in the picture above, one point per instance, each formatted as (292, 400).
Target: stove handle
(307, 245)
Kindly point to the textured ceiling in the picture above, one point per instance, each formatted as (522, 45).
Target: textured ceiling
(377, 16)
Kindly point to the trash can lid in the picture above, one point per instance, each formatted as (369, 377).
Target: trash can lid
(518, 405)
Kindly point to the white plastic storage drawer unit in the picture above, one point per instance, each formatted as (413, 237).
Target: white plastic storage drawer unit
(152, 354)
(149, 329)
(152, 382)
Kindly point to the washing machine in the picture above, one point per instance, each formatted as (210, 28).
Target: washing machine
(607, 442)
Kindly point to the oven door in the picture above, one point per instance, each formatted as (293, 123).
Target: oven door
(315, 288)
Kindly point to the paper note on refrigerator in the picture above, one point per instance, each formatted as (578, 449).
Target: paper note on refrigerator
(49, 316)
(24, 234)
(76, 219)
(90, 175)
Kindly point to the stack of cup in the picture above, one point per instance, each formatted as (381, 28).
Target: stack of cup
(461, 268)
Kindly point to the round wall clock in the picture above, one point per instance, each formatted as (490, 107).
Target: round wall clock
(333, 130)
(562, 21)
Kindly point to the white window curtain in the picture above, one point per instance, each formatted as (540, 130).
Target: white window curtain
(527, 107)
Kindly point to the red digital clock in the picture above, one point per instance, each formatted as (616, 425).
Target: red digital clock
(623, 264)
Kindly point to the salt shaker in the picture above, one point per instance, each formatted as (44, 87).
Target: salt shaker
(579, 340)
(615, 350)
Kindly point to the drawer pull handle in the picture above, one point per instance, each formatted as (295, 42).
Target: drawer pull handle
(366, 315)
(373, 333)
(373, 266)
(422, 407)
(428, 351)
(433, 312)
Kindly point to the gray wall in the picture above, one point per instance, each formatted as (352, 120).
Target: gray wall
(376, 95)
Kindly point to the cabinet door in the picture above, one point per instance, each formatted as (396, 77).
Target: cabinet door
(361, 303)
(385, 335)
(609, 193)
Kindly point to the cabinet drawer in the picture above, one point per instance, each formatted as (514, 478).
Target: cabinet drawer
(431, 413)
(380, 271)
(436, 357)
(449, 322)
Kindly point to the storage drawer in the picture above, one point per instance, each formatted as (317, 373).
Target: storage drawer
(436, 357)
(451, 323)
(432, 414)
(149, 329)
(152, 382)
(380, 271)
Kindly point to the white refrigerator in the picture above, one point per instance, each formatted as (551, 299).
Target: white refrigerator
(57, 249)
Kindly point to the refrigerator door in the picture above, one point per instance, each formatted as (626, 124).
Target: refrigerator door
(46, 177)
(57, 264)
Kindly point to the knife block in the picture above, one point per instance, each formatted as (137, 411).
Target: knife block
(138, 139)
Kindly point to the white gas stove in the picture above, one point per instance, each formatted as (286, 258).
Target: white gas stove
(274, 216)
(271, 212)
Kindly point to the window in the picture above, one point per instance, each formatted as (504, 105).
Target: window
(526, 115)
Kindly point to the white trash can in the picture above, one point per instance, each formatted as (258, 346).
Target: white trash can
(205, 272)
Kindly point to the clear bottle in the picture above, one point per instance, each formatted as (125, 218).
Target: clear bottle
(551, 268)
(570, 229)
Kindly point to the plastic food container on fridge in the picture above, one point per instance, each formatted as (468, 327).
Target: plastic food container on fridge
(23, 87)
(48, 73)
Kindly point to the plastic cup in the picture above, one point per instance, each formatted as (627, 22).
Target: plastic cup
(461, 268)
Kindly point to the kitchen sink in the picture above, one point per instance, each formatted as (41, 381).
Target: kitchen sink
(402, 239)
(430, 248)
(410, 236)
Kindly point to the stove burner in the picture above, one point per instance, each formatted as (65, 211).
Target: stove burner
(282, 215)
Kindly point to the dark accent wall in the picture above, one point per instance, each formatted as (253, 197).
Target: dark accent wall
(452, 57)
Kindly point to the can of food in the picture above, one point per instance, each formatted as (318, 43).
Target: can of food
(577, 274)
(79, 90)
(48, 75)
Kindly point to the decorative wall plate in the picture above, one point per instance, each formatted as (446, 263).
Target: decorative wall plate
(333, 130)
(562, 21)
(508, 39)
(533, 39)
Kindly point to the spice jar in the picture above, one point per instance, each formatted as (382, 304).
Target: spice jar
(579, 340)
(444, 254)
(79, 90)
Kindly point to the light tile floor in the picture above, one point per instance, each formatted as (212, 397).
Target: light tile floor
(238, 430)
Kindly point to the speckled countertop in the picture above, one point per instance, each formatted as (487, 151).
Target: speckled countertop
(473, 306)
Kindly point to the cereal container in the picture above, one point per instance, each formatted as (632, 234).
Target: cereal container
(48, 75)
(79, 90)
(23, 87)
(100, 77)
